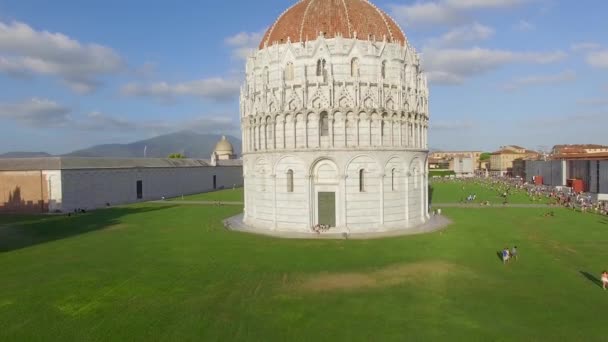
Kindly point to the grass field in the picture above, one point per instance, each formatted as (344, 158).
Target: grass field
(229, 195)
(454, 192)
(171, 272)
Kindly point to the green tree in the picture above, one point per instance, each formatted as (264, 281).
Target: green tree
(485, 156)
(176, 156)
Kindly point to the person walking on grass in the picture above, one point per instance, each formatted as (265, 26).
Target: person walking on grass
(514, 253)
(604, 279)
(505, 255)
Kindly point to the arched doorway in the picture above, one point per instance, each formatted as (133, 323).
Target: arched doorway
(325, 193)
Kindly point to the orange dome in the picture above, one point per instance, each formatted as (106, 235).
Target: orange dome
(307, 18)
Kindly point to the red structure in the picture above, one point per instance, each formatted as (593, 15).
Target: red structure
(538, 180)
(576, 184)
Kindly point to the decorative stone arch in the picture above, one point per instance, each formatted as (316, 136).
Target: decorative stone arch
(350, 128)
(364, 129)
(349, 163)
(312, 129)
(300, 130)
(395, 179)
(417, 191)
(318, 163)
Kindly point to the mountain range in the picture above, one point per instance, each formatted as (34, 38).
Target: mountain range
(188, 143)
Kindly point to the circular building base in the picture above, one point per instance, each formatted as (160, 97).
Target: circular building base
(435, 223)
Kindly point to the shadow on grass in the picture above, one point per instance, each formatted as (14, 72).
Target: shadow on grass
(25, 231)
(591, 278)
(499, 255)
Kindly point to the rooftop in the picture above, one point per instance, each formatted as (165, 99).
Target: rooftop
(307, 19)
(74, 163)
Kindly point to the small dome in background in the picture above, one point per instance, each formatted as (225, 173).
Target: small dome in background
(224, 147)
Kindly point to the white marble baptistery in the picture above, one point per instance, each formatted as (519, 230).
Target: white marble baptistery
(334, 114)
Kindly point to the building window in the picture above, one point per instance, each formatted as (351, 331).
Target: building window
(324, 123)
(140, 189)
(289, 73)
(290, 181)
(354, 67)
(361, 180)
(383, 70)
(321, 67)
(393, 179)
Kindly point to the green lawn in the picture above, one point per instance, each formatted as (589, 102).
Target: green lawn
(171, 272)
(229, 195)
(456, 191)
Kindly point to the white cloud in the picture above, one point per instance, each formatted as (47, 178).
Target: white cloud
(426, 14)
(598, 59)
(585, 46)
(562, 77)
(445, 12)
(244, 43)
(454, 66)
(39, 113)
(462, 35)
(25, 51)
(481, 4)
(44, 114)
(524, 25)
(98, 121)
(216, 89)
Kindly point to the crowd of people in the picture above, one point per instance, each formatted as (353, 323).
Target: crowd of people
(559, 196)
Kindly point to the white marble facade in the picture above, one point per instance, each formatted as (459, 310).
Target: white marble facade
(340, 115)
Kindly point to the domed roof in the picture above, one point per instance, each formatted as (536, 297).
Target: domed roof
(224, 147)
(347, 18)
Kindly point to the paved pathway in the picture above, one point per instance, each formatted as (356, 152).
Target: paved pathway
(200, 202)
(434, 205)
(436, 223)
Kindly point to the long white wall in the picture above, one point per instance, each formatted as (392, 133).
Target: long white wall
(90, 189)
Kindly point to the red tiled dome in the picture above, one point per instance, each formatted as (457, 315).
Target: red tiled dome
(307, 18)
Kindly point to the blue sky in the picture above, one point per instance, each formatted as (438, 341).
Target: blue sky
(79, 73)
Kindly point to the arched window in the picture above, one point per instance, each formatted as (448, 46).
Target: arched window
(393, 187)
(289, 73)
(383, 70)
(354, 67)
(361, 180)
(321, 67)
(383, 125)
(290, 181)
(269, 132)
(324, 125)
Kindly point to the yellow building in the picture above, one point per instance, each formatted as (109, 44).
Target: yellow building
(501, 161)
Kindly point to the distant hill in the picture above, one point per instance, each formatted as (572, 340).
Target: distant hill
(193, 145)
(25, 155)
